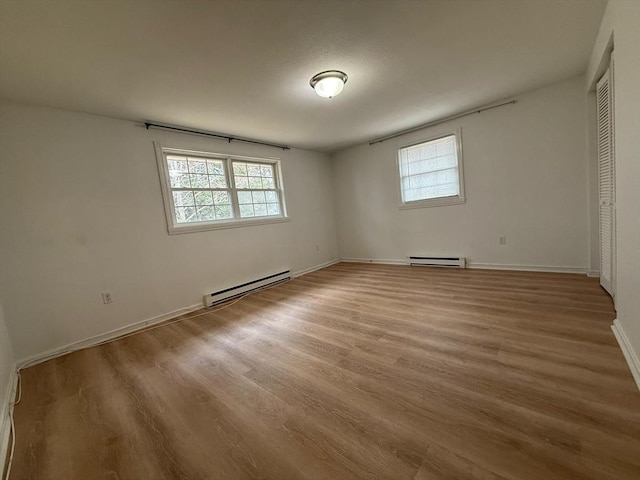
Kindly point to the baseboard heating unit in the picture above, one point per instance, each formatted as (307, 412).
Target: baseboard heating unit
(458, 262)
(212, 299)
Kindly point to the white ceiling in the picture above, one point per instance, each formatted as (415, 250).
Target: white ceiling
(243, 67)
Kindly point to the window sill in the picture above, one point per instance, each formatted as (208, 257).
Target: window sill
(203, 227)
(434, 202)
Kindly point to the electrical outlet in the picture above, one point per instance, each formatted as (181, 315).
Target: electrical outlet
(107, 298)
(502, 239)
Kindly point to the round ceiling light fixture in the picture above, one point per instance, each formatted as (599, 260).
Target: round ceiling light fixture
(328, 84)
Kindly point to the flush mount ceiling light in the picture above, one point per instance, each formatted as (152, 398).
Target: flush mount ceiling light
(328, 84)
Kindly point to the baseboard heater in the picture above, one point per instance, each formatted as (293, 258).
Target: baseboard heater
(212, 299)
(458, 262)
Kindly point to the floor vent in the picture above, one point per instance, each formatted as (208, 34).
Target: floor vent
(458, 262)
(212, 299)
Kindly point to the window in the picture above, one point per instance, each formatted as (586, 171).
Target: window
(431, 172)
(204, 191)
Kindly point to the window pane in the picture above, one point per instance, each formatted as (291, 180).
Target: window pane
(273, 209)
(239, 168)
(444, 190)
(429, 170)
(223, 212)
(253, 170)
(244, 197)
(260, 209)
(246, 211)
(197, 166)
(218, 181)
(179, 180)
(204, 198)
(258, 203)
(431, 165)
(199, 181)
(254, 175)
(446, 146)
(255, 182)
(434, 178)
(221, 198)
(258, 197)
(242, 182)
(447, 190)
(271, 197)
(206, 214)
(215, 167)
(185, 214)
(183, 199)
(176, 164)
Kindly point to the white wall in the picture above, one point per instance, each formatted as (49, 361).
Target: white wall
(82, 213)
(621, 26)
(525, 177)
(7, 370)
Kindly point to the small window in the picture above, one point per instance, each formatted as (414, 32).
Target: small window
(207, 191)
(431, 172)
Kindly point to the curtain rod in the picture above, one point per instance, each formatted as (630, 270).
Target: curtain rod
(442, 120)
(230, 138)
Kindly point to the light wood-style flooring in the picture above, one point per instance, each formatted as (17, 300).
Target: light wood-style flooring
(354, 371)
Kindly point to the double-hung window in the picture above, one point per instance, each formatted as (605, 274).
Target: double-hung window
(430, 172)
(204, 191)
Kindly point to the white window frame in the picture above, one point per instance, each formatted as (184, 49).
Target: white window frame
(439, 201)
(174, 227)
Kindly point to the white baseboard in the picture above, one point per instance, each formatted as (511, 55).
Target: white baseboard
(527, 268)
(627, 350)
(110, 335)
(380, 261)
(5, 411)
(299, 273)
(593, 273)
(487, 266)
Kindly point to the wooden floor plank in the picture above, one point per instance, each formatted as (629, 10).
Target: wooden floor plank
(354, 371)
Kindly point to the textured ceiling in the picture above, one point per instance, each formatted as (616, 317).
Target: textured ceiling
(243, 67)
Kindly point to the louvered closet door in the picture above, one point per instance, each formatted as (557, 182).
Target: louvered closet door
(606, 181)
